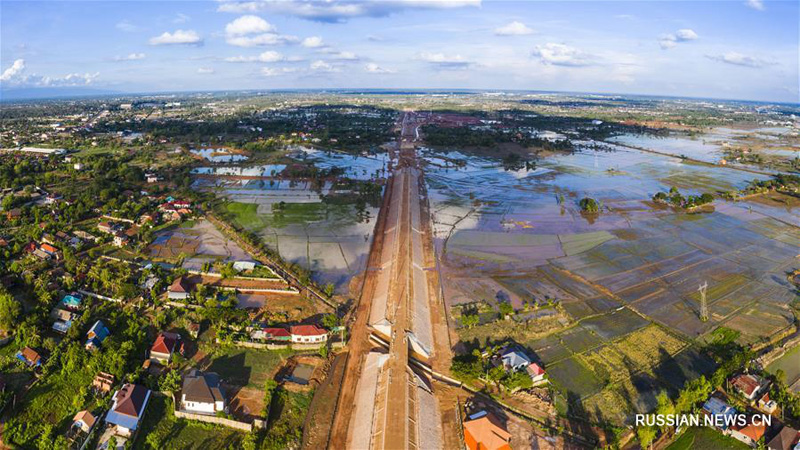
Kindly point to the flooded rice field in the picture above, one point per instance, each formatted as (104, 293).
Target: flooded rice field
(316, 224)
(218, 155)
(632, 271)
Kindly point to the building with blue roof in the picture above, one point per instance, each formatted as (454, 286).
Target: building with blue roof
(96, 335)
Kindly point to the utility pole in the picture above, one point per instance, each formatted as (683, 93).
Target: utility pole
(703, 303)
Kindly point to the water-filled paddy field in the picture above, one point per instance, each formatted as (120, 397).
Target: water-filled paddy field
(316, 224)
(627, 278)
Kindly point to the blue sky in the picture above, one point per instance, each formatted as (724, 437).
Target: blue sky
(744, 49)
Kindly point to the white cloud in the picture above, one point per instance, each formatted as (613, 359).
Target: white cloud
(179, 37)
(16, 69)
(205, 70)
(374, 68)
(322, 66)
(260, 40)
(345, 56)
(739, 59)
(267, 57)
(127, 26)
(15, 76)
(339, 10)
(561, 55)
(130, 57)
(272, 72)
(313, 42)
(513, 29)
(756, 4)
(667, 41)
(248, 25)
(443, 61)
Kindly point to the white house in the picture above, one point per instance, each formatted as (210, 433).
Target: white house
(308, 334)
(201, 393)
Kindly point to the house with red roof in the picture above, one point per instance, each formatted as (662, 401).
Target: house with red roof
(271, 334)
(750, 433)
(749, 385)
(178, 290)
(308, 334)
(536, 372)
(484, 431)
(165, 345)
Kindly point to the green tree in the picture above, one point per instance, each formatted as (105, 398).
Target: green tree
(171, 382)
(646, 435)
(470, 320)
(589, 205)
(506, 308)
(9, 311)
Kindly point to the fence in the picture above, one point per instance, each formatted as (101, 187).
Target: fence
(230, 423)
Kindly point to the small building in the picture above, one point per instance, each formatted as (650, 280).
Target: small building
(121, 240)
(536, 372)
(243, 266)
(30, 357)
(750, 433)
(96, 335)
(271, 334)
(103, 382)
(14, 214)
(787, 439)
(717, 407)
(84, 420)
(105, 227)
(484, 431)
(165, 345)
(749, 385)
(202, 393)
(130, 403)
(308, 334)
(515, 359)
(767, 404)
(178, 290)
(63, 319)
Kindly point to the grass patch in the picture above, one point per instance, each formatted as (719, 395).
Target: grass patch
(162, 430)
(286, 418)
(246, 215)
(246, 367)
(704, 438)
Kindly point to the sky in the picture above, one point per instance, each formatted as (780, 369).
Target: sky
(737, 49)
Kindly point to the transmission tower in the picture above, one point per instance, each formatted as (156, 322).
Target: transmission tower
(703, 303)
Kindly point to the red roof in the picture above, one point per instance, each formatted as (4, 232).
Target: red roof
(486, 433)
(747, 384)
(165, 343)
(178, 285)
(49, 248)
(754, 432)
(277, 332)
(307, 330)
(536, 369)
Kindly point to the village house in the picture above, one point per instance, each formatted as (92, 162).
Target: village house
(178, 290)
(194, 329)
(750, 434)
(766, 404)
(484, 431)
(63, 319)
(514, 359)
(103, 382)
(84, 421)
(96, 335)
(30, 357)
(308, 334)
(787, 439)
(120, 239)
(202, 393)
(105, 227)
(128, 408)
(165, 345)
(14, 214)
(749, 385)
(271, 334)
(536, 372)
(717, 407)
